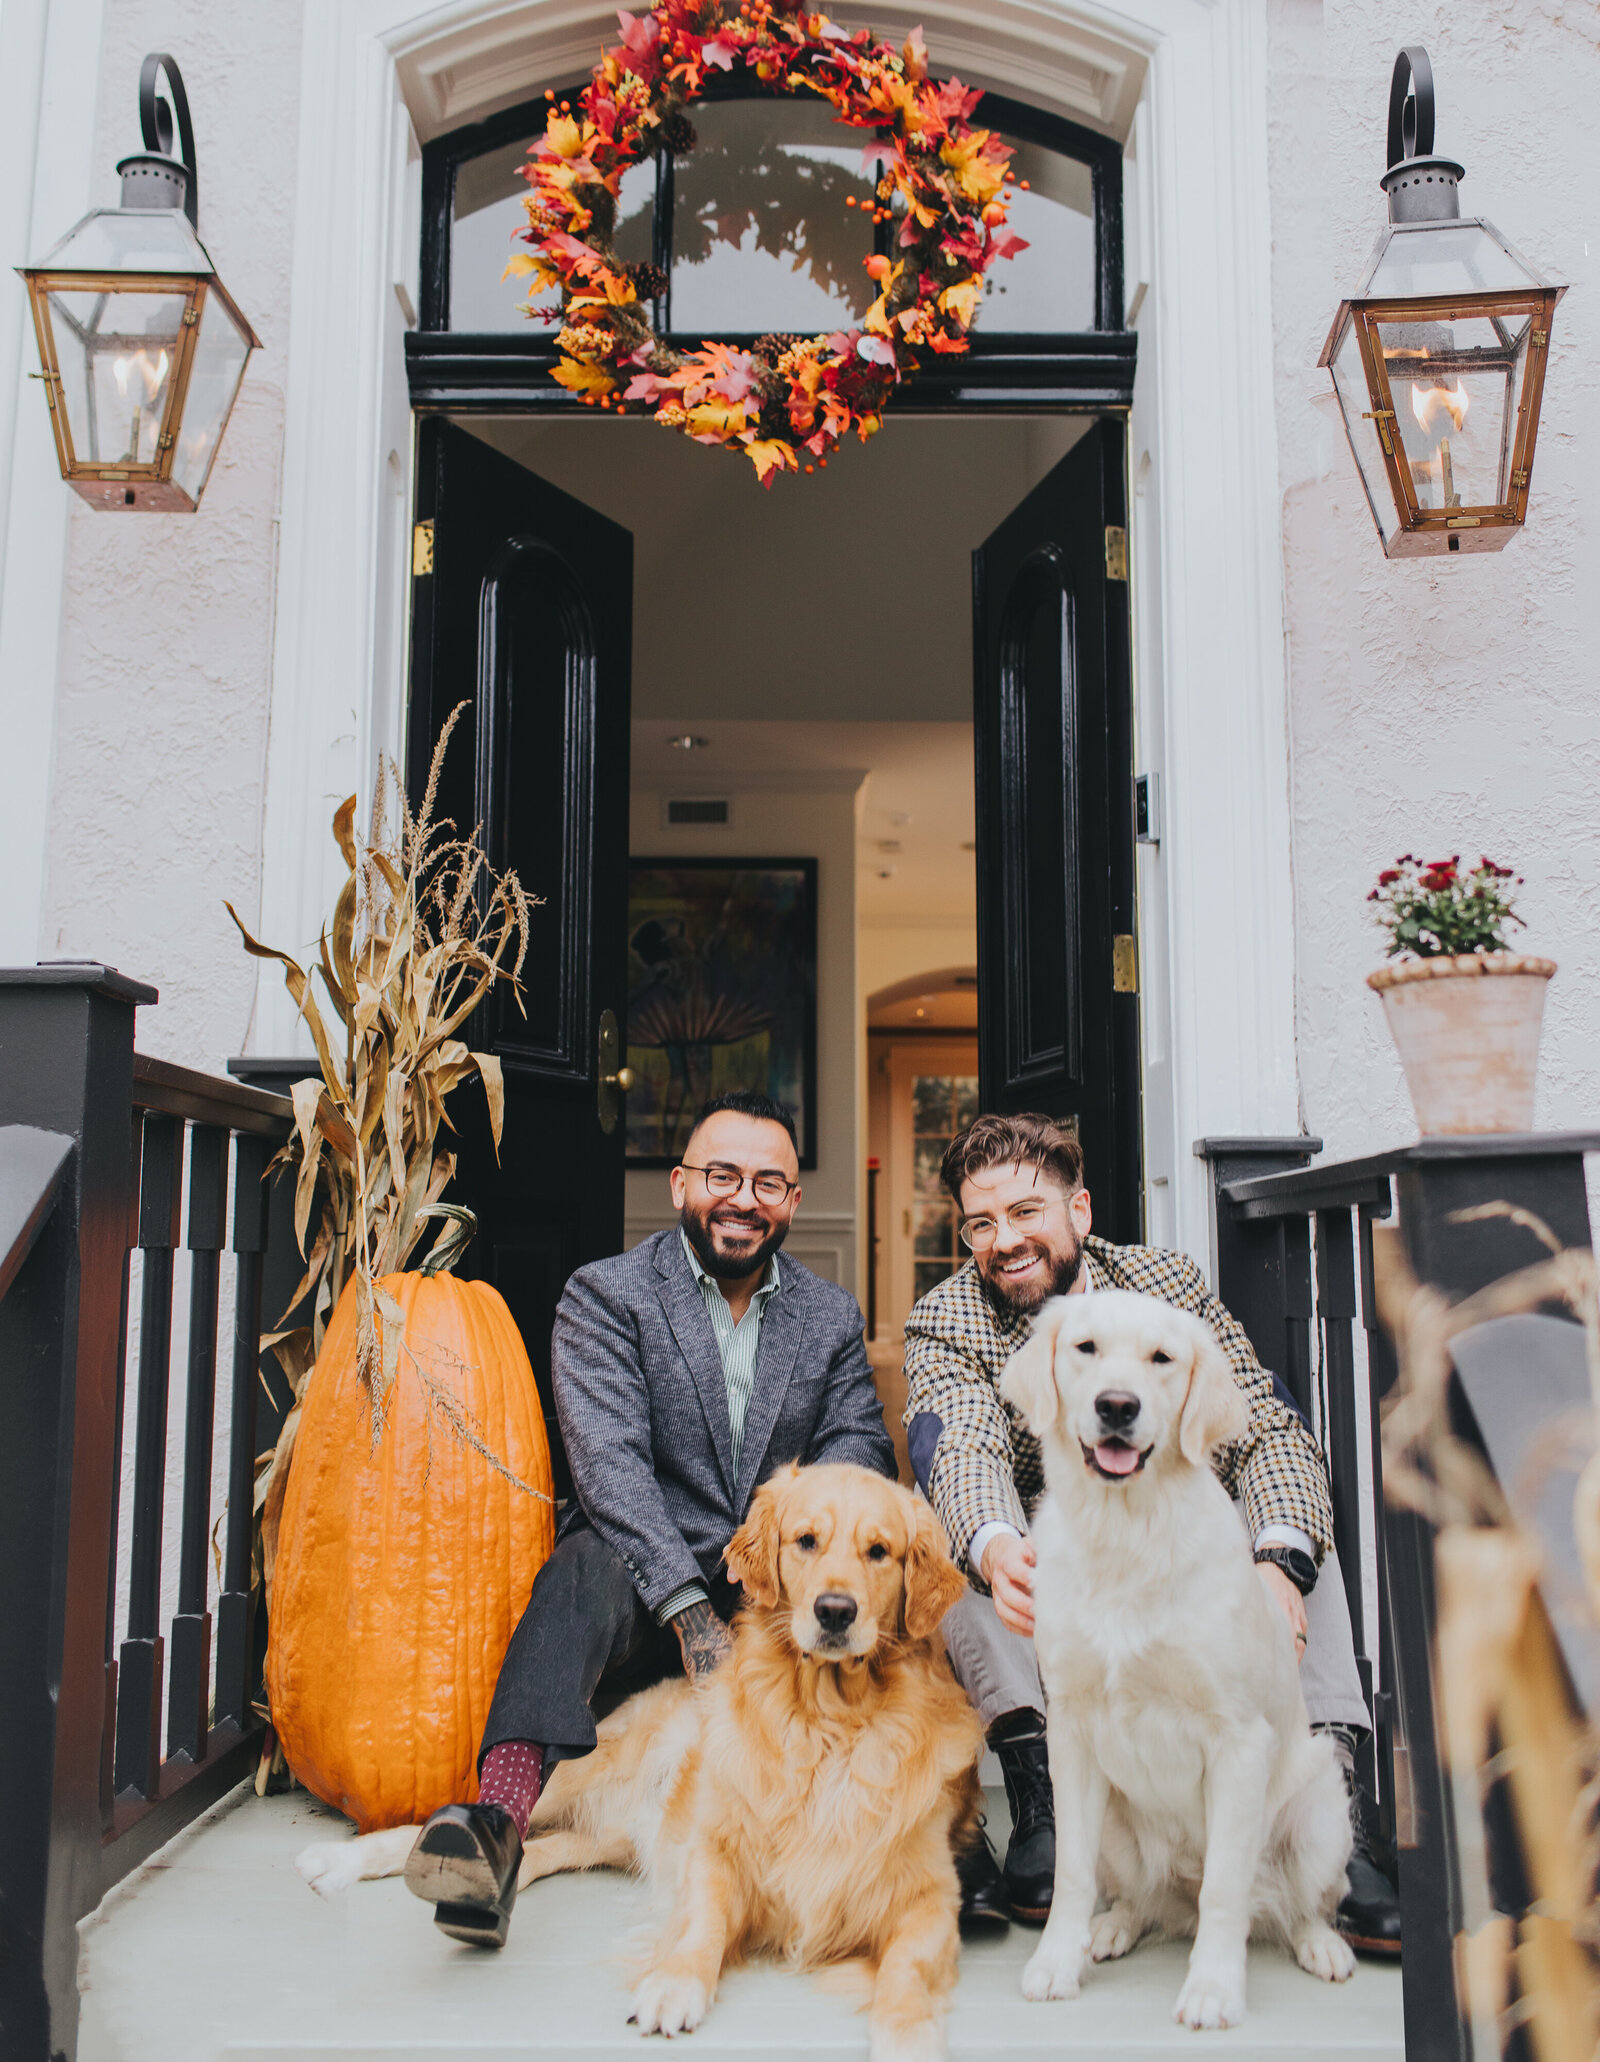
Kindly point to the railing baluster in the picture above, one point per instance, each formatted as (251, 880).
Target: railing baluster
(1336, 1307)
(236, 1606)
(1381, 1375)
(138, 1753)
(108, 1734)
(189, 1698)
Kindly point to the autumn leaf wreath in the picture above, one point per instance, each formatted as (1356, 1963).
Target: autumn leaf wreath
(941, 188)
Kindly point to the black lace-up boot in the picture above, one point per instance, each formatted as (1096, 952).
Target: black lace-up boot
(985, 1906)
(1369, 1911)
(1030, 1870)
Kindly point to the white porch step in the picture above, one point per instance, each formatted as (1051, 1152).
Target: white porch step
(216, 1949)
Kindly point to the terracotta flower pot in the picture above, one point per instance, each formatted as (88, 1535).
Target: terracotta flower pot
(1467, 1031)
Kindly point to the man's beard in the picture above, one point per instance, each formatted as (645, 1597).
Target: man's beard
(1026, 1298)
(729, 1267)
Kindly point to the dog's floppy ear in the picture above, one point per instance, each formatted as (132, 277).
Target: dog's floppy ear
(751, 1556)
(1215, 1411)
(1028, 1380)
(933, 1581)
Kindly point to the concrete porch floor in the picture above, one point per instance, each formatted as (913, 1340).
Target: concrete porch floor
(216, 1949)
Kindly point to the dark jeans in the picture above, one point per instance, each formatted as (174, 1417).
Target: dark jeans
(585, 1634)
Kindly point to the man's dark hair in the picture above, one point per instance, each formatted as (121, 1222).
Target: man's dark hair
(1026, 1140)
(749, 1102)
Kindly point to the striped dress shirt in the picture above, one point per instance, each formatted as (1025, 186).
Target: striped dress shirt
(737, 1345)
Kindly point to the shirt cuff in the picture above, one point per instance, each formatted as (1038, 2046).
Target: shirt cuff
(682, 1597)
(996, 1528)
(1287, 1536)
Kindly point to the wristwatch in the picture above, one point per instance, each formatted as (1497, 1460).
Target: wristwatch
(1300, 1568)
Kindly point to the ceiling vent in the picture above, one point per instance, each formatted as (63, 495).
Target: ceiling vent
(700, 811)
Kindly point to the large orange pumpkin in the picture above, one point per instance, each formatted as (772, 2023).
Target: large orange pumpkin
(402, 1571)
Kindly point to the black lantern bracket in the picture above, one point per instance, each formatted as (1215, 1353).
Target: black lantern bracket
(153, 177)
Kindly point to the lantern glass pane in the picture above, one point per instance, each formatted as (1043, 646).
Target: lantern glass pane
(117, 352)
(130, 240)
(219, 355)
(1355, 402)
(1452, 384)
(1451, 258)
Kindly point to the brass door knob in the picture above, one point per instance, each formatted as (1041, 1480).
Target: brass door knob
(623, 1079)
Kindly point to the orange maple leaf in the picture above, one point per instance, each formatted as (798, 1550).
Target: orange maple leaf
(770, 456)
(583, 379)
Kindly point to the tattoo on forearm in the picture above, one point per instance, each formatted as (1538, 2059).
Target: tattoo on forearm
(705, 1640)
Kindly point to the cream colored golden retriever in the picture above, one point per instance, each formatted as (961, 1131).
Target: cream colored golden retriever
(1189, 1788)
(803, 1800)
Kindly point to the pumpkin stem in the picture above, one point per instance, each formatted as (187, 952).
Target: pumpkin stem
(453, 1241)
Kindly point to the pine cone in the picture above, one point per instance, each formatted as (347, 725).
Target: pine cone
(679, 135)
(649, 281)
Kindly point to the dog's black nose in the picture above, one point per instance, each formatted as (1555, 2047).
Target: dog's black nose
(835, 1612)
(1117, 1409)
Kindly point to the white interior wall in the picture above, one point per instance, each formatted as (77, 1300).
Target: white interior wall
(795, 823)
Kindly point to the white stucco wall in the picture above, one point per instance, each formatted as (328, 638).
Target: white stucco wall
(1436, 705)
(167, 621)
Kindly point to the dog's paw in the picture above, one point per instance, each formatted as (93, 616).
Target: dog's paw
(922, 2041)
(1320, 1952)
(1052, 1971)
(1211, 1998)
(329, 1866)
(1112, 1933)
(668, 2001)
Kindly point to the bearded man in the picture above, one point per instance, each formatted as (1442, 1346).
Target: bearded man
(685, 1372)
(1025, 1216)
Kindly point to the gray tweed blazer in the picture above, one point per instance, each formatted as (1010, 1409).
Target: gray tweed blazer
(644, 1409)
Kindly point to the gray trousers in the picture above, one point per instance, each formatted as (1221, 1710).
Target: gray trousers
(999, 1670)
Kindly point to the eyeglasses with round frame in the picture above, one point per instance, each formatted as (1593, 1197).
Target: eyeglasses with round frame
(769, 1187)
(978, 1234)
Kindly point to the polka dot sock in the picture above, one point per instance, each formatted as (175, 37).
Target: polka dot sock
(513, 1776)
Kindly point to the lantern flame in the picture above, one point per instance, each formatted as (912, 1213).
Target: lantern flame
(1431, 404)
(153, 373)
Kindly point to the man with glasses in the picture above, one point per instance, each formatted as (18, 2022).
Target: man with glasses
(1018, 1183)
(685, 1372)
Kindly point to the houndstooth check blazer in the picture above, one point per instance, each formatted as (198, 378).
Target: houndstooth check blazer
(985, 1465)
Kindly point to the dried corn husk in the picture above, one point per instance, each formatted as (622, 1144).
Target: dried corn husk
(422, 930)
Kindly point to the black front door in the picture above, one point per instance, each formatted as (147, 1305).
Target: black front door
(527, 616)
(1058, 1027)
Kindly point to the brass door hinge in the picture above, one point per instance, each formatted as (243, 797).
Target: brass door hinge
(1116, 552)
(1124, 965)
(422, 549)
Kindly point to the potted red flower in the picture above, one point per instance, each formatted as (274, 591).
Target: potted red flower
(1464, 1011)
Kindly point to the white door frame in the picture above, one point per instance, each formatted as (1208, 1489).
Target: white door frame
(1185, 82)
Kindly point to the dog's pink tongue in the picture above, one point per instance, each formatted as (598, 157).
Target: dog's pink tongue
(1116, 1460)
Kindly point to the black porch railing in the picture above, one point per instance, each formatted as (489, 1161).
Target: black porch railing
(97, 1147)
(1292, 1250)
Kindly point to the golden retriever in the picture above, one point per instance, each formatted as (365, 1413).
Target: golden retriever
(1189, 1788)
(803, 1800)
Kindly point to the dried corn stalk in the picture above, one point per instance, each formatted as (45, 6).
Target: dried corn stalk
(1498, 1676)
(422, 930)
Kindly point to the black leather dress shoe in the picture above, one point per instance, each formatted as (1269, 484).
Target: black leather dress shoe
(1369, 1912)
(985, 1907)
(1030, 1872)
(465, 1865)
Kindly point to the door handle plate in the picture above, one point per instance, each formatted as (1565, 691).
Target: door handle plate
(614, 1081)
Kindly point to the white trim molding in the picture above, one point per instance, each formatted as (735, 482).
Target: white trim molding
(1218, 951)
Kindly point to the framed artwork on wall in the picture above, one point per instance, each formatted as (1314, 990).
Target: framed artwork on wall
(722, 994)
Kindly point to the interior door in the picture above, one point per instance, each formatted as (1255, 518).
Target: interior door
(1058, 1026)
(526, 614)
